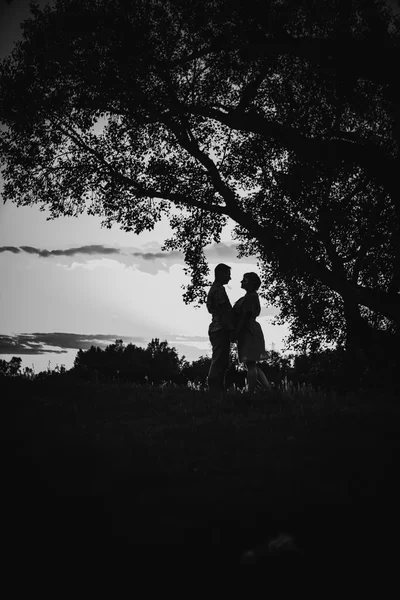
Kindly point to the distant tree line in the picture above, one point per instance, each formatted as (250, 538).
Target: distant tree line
(13, 368)
(159, 364)
(155, 364)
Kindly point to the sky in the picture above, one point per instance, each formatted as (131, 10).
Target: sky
(69, 283)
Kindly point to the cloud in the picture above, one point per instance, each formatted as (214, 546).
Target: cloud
(221, 250)
(187, 338)
(93, 249)
(24, 344)
(10, 249)
(58, 343)
(154, 255)
(150, 260)
(154, 261)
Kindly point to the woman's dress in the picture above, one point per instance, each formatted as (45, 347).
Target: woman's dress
(251, 342)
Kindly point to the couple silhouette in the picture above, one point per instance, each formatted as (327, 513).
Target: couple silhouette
(235, 324)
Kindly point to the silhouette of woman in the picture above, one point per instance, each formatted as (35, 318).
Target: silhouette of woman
(248, 332)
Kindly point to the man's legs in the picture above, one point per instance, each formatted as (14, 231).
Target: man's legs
(220, 342)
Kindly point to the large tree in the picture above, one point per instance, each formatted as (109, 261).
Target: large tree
(283, 117)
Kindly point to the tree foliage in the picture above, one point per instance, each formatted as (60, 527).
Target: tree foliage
(283, 118)
(11, 368)
(155, 364)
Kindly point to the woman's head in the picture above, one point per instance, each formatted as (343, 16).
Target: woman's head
(251, 282)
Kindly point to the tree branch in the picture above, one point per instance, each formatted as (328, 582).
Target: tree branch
(361, 254)
(362, 58)
(139, 189)
(250, 90)
(328, 151)
(189, 143)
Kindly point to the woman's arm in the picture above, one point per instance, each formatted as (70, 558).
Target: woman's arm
(242, 324)
(249, 309)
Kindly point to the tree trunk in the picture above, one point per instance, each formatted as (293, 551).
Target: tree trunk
(372, 354)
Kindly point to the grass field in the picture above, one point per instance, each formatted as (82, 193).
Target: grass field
(178, 475)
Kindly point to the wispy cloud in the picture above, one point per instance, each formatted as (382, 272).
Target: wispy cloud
(57, 342)
(152, 261)
(155, 255)
(25, 344)
(93, 249)
(12, 249)
(221, 250)
(213, 251)
(172, 337)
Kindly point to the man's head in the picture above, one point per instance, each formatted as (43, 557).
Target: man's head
(222, 273)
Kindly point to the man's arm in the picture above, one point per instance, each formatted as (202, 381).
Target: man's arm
(226, 315)
(218, 304)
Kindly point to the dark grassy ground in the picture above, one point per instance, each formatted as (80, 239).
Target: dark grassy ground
(183, 477)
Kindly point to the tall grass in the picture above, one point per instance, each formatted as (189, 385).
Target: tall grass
(185, 466)
(81, 405)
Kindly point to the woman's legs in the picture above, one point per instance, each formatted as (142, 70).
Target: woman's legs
(251, 367)
(263, 379)
(255, 374)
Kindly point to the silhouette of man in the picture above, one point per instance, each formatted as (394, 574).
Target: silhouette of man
(220, 328)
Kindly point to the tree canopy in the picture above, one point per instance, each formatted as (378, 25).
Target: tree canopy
(282, 117)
